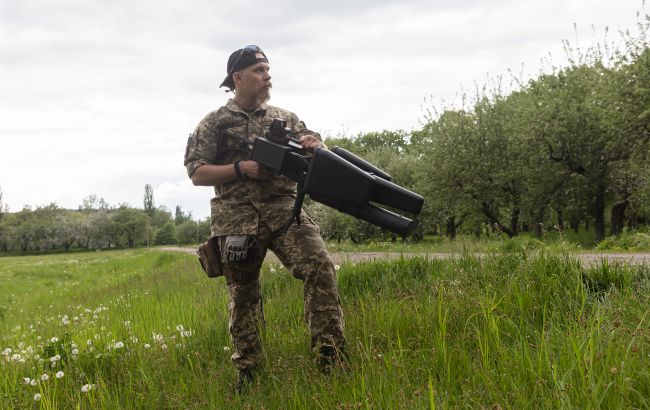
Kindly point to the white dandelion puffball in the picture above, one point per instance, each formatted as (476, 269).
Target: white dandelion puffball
(45, 377)
(86, 388)
(59, 375)
(54, 339)
(119, 345)
(37, 396)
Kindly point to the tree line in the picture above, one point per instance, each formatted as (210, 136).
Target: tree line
(567, 149)
(97, 225)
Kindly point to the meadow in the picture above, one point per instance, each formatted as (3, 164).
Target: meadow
(146, 329)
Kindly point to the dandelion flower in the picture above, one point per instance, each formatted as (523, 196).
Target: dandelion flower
(54, 339)
(45, 377)
(337, 267)
(272, 270)
(147, 345)
(86, 388)
(119, 345)
(33, 382)
(26, 380)
(37, 396)
(59, 375)
(179, 328)
(163, 346)
(75, 351)
(226, 349)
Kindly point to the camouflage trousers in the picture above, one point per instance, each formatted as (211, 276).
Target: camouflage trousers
(302, 251)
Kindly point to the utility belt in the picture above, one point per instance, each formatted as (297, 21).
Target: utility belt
(237, 248)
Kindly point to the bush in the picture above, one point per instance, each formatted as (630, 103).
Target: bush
(521, 244)
(626, 241)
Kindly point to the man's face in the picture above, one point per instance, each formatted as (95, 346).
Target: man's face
(255, 81)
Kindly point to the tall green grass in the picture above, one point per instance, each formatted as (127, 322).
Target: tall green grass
(510, 329)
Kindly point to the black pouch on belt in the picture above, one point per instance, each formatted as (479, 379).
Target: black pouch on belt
(237, 247)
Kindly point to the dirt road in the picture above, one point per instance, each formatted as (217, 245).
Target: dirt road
(588, 258)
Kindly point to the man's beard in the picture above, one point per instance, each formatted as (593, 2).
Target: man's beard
(264, 95)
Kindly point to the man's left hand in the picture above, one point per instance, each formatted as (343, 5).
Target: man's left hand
(310, 142)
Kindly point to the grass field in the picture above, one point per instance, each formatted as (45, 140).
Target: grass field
(145, 329)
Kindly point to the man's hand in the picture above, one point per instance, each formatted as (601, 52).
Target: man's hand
(309, 142)
(254, 170)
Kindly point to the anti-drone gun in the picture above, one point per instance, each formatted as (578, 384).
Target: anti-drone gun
(337, 178)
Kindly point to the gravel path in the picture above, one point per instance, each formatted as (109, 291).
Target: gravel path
(588, 258)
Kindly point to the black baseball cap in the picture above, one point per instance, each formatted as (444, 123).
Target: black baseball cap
(240, 59)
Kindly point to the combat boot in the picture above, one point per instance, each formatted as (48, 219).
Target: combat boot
(330, 357)
(245, 378)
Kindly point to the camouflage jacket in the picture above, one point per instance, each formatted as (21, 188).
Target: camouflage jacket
(225, 136)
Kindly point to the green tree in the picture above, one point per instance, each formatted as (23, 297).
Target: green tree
(166, 234)
(133, 224)
(149, 207)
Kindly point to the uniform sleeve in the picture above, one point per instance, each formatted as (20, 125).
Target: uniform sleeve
(298, 128)
(201, 145)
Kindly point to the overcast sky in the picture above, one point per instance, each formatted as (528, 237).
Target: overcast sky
(98, 97)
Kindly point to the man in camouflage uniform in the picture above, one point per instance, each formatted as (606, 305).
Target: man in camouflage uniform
(251, 206)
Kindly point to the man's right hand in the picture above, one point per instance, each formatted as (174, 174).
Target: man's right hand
(254, 170)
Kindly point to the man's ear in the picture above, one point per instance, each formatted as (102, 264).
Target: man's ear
(237, 78)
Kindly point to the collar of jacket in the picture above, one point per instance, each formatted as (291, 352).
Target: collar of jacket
(234, 107)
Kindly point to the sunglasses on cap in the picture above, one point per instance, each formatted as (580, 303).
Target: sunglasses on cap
(252, 49)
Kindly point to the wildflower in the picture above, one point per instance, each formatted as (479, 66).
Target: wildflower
(86, 388)
(187, 333)
(163, 346)
(226, 349)
(45, 377)
(119, 345)
(147, 345)
(337, 267)
(158, 338)
(179, 328)
(89, 342)
(75, 352)
(59, 375)
(272, 270)
(16, 357)
(26, 380)
(54, 359)
(33, 382)
(54, 339)
(37, 397)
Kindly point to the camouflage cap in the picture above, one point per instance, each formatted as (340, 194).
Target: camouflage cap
(240, 59)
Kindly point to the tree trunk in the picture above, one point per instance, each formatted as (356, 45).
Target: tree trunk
(492, 216)
(618, 216)
(451, 227)
(514, 221)
(560, 219)
(599, 214)
(539, 222)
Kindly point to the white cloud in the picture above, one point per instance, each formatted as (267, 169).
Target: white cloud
(99, 96)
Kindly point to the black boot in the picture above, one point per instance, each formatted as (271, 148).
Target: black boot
(330, 357)
(245, 378)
